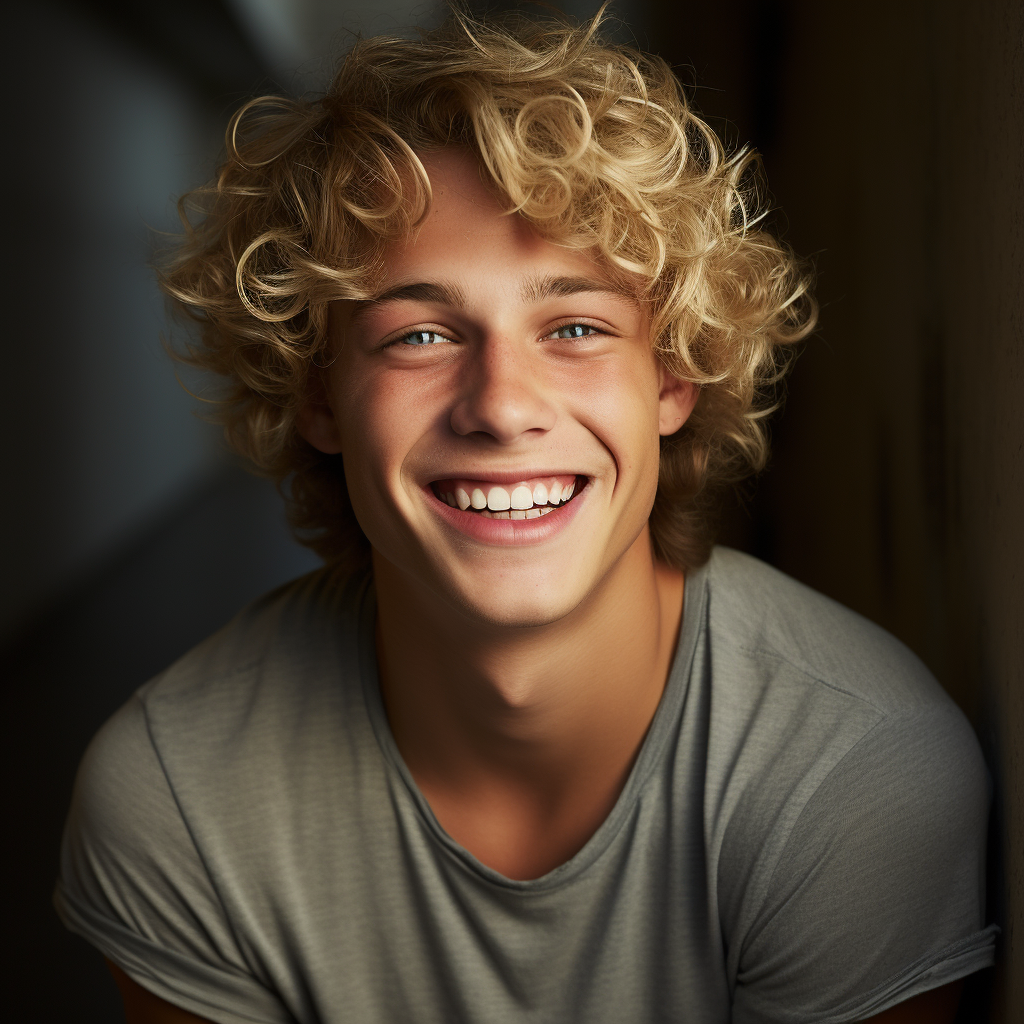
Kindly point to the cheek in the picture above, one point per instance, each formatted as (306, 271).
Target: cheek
(383, 418)
(620, 407)
(375, 419)
(361, 411)
(373, 448)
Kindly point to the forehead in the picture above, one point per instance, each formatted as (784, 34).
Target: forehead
(468, 237)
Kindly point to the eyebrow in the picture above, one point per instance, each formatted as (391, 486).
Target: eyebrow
(423, 291)
(535, 289)
(548, 287)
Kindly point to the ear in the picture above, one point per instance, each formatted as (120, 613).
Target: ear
(676, 400)
(316, 424)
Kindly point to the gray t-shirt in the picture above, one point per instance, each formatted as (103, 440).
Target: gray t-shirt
(801, 838)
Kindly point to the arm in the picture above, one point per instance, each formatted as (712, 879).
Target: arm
(881, 875)
(935, 1007)
(142, 1007)
(133, 883)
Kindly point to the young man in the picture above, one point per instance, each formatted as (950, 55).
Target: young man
(525, 749)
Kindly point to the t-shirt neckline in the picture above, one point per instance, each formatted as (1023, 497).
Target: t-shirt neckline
(661, 729)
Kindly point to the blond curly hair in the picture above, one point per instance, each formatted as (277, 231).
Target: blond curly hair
(593, 143)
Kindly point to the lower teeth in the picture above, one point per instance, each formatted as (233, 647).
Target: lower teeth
(515, 513)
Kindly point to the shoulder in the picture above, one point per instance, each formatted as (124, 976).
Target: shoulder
(200, 798)
(797, 682)
(279, 659)
(120, 783)
(769, 619)
(850, 793)
(314, 617)
(242, 726)
(135, 882)
(261, 706)
(800, 685)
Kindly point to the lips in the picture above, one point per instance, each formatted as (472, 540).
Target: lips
(529, 498)
(509, 526)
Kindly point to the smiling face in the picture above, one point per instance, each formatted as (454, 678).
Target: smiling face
(498, 407)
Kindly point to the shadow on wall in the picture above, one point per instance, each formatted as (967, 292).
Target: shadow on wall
(106, 437)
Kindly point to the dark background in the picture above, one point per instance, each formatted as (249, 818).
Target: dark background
(892, 139)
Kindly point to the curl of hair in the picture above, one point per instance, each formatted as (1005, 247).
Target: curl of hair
(593, 143)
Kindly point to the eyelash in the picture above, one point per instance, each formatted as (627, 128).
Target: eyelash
(404, 339)
(418, 334)
(565, 327)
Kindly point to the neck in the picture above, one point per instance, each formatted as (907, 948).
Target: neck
(533, 720)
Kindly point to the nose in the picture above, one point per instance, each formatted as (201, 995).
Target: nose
(503, 393)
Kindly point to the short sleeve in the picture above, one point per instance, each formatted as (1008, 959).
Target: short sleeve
(878, 894)
(133, 884)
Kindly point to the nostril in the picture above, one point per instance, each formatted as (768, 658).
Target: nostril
(503, 409)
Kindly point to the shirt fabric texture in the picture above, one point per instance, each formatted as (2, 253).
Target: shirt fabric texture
(801, 838)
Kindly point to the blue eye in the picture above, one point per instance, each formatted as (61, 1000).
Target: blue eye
(423, 338)
(573, 331)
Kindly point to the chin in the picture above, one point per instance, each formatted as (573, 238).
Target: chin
(508, 609)
(524, 618)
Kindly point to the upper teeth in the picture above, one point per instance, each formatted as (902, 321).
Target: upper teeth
(519, 497)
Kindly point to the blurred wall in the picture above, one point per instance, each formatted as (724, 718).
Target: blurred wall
(300, 40)
(105, 435)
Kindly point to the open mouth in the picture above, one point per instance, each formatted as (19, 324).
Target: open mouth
(525, 499)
